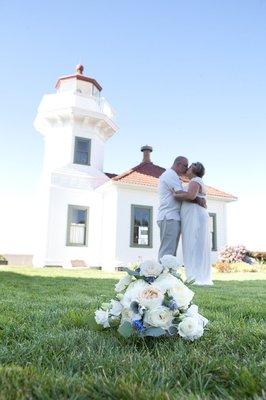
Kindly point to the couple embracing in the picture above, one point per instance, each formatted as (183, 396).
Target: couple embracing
(183, 212)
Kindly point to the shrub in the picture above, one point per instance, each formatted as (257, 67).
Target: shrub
(238, 267)
(245, 267)
(231, 254)
(223, 266)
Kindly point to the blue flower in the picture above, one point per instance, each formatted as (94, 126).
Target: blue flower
(149, 279)
(173, 305)
(137, 270)
(138, 325)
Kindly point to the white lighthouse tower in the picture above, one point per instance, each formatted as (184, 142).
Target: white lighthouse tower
(75, 122)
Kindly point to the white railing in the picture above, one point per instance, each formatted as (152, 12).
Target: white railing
(106, 108)
(53, 102)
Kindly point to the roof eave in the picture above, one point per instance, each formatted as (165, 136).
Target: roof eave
(152, 188)
(222, 198)
(135, 186)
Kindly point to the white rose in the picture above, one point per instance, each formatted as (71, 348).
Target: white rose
(123, 283)
(151, 297)
(101, 317)
(190, 328)
(129, 315)
(150, 268)
(133, 291)
(182, 295)
(159, 317)
(166, 281)
(116, 308)
(169, 261)
(192, 311)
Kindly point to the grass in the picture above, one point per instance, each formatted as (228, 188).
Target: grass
(48, 349)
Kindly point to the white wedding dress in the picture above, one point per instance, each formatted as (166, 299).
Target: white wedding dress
(196, 239)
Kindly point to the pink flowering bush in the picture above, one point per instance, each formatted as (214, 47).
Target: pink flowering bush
(232, 254)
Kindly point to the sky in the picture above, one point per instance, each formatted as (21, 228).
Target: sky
(186, 77)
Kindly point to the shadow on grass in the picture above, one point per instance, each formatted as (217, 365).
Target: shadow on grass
(23, 278)
(16, 287)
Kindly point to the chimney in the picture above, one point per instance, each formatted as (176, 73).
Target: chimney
(146, 153)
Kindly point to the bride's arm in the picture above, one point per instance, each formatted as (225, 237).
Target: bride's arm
(191, 194)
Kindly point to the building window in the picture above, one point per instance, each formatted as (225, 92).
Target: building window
(213, 231)
(77, 226)
(82, 151)
(141, 226)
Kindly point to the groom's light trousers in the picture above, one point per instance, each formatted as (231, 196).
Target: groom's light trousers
(170, 230)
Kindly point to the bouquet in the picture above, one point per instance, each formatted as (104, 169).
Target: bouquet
(153, 300)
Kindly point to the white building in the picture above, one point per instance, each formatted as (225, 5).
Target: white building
(88, 217)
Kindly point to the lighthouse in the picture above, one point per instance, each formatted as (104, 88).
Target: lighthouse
(75, 122)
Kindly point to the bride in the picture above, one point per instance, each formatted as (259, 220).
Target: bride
(195, 228)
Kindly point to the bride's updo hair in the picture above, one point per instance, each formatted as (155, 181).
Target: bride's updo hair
(198, 169)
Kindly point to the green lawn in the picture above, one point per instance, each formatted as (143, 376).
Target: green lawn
(49, 351)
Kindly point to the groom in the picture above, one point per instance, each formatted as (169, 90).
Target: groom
(169, 208)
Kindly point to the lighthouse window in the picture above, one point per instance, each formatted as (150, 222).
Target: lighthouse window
(141, 226)
(82, 151)
(77, 226)
(95, 91)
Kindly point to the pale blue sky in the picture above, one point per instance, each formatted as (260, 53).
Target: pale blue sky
(186, 77)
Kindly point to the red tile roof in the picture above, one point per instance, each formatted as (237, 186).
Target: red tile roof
(147, 174)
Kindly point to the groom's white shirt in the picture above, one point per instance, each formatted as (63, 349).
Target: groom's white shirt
(169, 208)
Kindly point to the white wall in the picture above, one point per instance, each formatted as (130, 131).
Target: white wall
(109, 226)
(109, 229)
(53, 249)
(128, 196)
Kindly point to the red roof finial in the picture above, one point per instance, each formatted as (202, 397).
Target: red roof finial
(80, 77)
(79, 69)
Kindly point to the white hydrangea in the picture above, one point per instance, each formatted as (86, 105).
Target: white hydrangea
(101, 317)
(150, 268)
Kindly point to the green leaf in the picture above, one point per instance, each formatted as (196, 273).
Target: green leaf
(176, 320)
(131, 272)
(125, 329)
(190, 282)
(114, 322)
(155, 332)
(177, 275)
